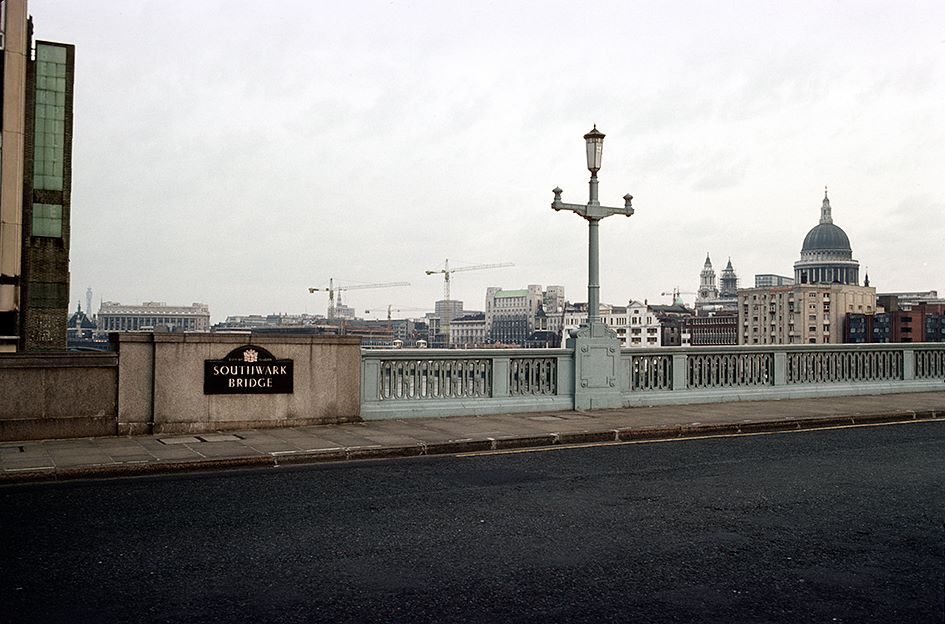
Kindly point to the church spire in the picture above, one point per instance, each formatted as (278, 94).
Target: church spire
(825, 216)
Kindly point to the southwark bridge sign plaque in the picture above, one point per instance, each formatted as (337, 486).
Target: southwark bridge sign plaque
(247, 370)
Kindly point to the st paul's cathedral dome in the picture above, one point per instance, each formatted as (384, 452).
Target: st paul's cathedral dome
(826, 256)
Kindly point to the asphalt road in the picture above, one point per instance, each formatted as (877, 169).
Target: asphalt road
(831, 526)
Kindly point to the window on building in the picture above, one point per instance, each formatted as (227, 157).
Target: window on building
(47, 220)
(49, 116)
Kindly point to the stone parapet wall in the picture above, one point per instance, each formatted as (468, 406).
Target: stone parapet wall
(160, 388)
(154, 383)
(61, 395)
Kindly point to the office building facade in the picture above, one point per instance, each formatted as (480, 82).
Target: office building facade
(35, 185)
(151, 315)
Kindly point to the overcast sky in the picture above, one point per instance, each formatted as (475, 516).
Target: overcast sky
(236, 153)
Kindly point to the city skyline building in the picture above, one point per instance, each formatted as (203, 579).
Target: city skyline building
(151, 315)
(921, 322)
(512, 315)
(710, 298)
(35, 185)
(826, 255)
(815, 308)
(707, 287)
(636, 324)
(767, 280)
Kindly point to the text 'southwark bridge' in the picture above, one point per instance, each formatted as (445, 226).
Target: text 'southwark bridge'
(249, 369)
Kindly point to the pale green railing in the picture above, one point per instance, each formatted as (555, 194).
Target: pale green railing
(440, 382)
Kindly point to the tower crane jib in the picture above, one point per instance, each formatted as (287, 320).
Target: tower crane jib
(447, 271)
(334, 303)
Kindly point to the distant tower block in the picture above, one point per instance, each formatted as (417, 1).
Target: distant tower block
(88, 300)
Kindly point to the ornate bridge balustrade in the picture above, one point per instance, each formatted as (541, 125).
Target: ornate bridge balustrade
(533, 376)
(729, 370)
(930, 363)
(434, 379)
(399, 383)
(843, 366)
(432, 382)
(651, 372)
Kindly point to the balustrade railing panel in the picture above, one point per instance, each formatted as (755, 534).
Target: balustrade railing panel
(813, 367)
(729, 370)
(412, 379)
(453, 379)
(533, 376)
(651, 372)
(930, 364)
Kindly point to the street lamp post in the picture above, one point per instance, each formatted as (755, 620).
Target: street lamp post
(597, 382)
(593, 212)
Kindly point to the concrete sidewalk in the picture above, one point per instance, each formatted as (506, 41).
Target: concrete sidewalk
(126, 456)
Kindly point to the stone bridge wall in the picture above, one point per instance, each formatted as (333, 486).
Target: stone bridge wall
(58, 395)
(154, 384)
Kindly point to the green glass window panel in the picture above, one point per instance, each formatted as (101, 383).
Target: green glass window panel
(50, 53)
(45, 228)
(47, 220)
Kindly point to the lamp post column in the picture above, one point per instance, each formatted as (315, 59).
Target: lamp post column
(597, 382)
(593, 254)
(593, 271)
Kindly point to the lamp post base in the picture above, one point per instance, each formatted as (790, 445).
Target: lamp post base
(597, 367)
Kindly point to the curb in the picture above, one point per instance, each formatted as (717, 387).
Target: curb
(454, 447)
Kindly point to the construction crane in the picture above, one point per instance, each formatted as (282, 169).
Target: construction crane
(334, 304)
(391, 308)
(447, 271)
(677, 300)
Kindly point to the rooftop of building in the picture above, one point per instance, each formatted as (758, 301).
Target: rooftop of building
(503, 294)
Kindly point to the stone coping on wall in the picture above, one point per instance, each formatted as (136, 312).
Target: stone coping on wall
(220, 338)
(58, 360)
